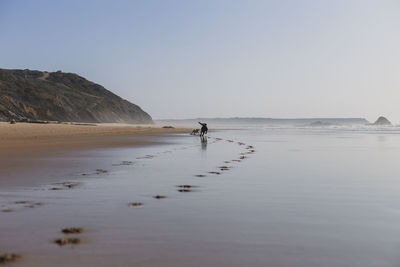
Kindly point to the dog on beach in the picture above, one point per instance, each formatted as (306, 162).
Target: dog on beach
(195, 132)
(204, 129)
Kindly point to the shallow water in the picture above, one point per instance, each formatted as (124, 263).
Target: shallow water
(306, 197)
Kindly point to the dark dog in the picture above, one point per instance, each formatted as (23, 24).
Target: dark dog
(195, 132)
(204, 129)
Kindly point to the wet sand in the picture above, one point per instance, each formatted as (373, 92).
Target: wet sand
(244, 198)
(24, 147)
(43, 212)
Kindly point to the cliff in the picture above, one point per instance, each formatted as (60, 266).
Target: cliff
(58, 96)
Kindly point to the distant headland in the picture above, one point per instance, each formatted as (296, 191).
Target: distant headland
(30, 95)
(293, 121)
(382, 121)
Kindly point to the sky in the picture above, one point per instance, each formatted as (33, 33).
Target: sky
(218, 58)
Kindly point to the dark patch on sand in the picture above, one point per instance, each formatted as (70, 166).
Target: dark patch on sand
(200, 175)
(146, 157)
(124, 163)
(218, 173)
(67, 241)
(7, 210)
(100, 171)
(224, 168)
(185, 190)
(57, 188)
(22, 202)
(9, 257)
(135, 204)
(65, 185)
(69, 185)
(186, 186)
(72, 230)
(159, 197)
(28, 204)
(97, 171)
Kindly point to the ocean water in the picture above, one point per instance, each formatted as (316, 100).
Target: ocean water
(307, 196)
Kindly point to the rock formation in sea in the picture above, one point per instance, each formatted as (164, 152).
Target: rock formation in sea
(28, 95)
(382, 121)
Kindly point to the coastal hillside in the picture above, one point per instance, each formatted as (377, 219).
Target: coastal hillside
(57, 96)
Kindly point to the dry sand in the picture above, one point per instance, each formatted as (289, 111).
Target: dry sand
(24, 137)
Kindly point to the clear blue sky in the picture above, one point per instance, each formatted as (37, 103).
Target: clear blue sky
(184, 59)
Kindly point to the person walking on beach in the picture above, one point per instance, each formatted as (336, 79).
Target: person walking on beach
(204, 129)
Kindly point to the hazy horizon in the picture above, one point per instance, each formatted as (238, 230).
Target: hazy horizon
(190, 59)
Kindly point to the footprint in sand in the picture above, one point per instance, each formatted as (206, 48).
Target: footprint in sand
(135, 204)
(146, 157)
(213, 172)
(22, 202)
(186, 186)
(72, 230)
(67, 241)
(65, 185)
(123, 163)
(97, 171)
(7, 210)
(200, 175)
(34, 205)
(159, 197)
(56, 188)
(224, 168)
(185, 190)
(26, 204)
(9, 257)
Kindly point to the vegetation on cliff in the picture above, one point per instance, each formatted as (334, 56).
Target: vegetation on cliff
(57, 96)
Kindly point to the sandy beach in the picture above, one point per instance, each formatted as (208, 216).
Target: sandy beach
(20, 137)
(24, 146)
(167, 199)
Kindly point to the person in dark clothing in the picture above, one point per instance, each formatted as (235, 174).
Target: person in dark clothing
(204, 129)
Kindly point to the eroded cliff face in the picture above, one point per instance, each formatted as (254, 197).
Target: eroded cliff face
(59, 96)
